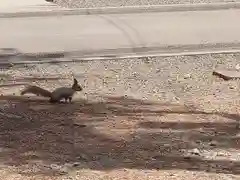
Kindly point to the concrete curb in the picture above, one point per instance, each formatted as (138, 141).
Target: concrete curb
(158, 8)
(12, 57)
(122, 57)
(53, 9)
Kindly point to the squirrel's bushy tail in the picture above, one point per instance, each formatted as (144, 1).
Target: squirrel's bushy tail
(36, 90)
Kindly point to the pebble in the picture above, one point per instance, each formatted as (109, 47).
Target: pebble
(76, 164)
(213, 143)
(187, 76)
(195, 151)
(237, 67)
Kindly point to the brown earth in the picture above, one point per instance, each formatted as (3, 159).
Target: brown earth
(136, 119)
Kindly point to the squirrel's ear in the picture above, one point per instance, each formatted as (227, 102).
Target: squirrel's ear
(75, 81)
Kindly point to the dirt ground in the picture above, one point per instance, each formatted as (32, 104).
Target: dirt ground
(149, 118)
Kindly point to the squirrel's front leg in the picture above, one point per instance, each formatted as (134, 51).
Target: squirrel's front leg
(70, 99)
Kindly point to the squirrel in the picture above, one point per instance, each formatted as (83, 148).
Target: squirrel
(57, 95)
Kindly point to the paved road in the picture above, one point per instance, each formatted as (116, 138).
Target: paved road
(123, 33)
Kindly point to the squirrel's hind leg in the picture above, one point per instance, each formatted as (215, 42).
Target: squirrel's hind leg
(65, 100)
(53, 101)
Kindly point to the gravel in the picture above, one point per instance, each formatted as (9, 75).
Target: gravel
(146, 118)
(184, 78)
(122, 3)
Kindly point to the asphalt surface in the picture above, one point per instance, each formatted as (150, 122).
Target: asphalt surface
(111, 34)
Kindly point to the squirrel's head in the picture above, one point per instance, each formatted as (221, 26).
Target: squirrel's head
(76, 86)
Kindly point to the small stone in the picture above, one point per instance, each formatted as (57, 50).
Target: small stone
(237, 67)
(187, 76)
(221, 154)
(187, 157)
(14, 105)
(76, 164)
(195, 151)
(213, 143)
(80, 125)
(147, 60)
(82, 157)
(157, 157)
(177, 98)
(135, 74)
(231, 87)
(198, 141)
(158, 70)
(55, 166)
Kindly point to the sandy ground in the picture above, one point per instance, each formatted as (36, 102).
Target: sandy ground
(149, 118)
(121, 3)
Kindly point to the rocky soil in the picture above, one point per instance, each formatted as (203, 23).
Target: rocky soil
(146, 118)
